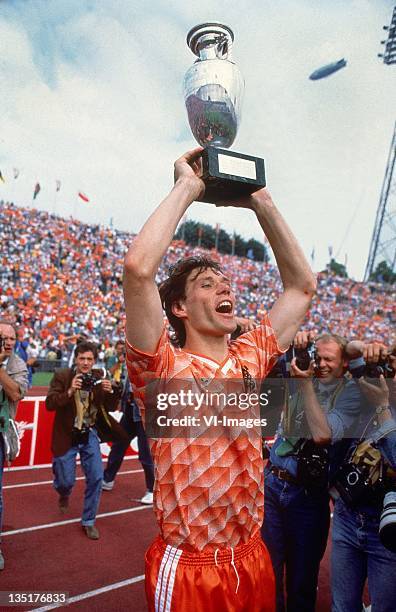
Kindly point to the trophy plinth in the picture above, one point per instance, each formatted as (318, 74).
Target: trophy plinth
(213, 92)
(228, 174)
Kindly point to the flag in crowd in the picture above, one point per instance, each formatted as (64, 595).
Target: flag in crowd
(36, 191)
(58, 185)
(84, 197)
(16, 172)
(2, 177)
(217, 236)
(183, 227)
(200, 233)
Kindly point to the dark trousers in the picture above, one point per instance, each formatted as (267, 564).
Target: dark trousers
(295, 530)
(118, 449)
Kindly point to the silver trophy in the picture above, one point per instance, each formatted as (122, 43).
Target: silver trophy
(213, 92)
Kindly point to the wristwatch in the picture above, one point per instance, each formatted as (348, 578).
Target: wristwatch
(380, 409)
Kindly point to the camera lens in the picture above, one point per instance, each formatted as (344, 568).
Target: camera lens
(387, 528)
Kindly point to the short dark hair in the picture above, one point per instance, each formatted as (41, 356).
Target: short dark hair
(174, 288)
(84, 347)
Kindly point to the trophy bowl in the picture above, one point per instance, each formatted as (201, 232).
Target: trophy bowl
(213, 86)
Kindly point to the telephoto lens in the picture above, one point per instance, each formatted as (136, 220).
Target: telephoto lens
(387, 528)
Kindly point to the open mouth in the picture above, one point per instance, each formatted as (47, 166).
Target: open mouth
(225, 307)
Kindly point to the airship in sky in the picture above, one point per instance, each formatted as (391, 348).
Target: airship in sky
(325, 71)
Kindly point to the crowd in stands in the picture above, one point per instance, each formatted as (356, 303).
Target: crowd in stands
(61, 277)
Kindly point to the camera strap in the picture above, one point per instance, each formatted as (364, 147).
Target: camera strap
(85, 409)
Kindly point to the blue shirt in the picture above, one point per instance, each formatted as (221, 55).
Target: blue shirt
(340, 418)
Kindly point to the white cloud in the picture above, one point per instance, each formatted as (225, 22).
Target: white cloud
(95, 99)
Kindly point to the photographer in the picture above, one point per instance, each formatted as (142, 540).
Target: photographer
(318, 413)
(13, 385)
(362, 544)
(81, 397)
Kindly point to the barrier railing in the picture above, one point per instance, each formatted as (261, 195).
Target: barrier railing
(34, 424)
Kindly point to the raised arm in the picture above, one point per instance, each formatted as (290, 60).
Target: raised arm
(144, 315)
(299, 283)
(316, 418)
(371, 352)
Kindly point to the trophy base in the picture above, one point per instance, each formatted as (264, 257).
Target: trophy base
(229, 175)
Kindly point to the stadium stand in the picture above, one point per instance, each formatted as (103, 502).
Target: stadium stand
(61, 277)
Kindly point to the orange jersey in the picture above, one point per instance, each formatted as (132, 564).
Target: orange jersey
(208, 490)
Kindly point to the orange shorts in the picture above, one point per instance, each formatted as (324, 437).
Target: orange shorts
(218, 581)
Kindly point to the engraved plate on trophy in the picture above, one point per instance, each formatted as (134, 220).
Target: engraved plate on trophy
(213, 92)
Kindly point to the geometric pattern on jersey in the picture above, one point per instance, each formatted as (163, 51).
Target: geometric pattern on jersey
(208, 491)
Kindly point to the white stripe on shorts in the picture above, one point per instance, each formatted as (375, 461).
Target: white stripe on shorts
(171, 583)
(159, 578)
(166, 579)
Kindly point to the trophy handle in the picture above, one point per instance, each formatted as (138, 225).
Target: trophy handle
(224, 48)
(214, 34)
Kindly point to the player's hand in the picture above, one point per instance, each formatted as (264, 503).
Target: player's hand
(252, 201)
(189, 167)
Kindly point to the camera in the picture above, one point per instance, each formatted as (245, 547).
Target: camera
(363, 478)
(92, 378)
(303, 356)
(387, 527)
(383, 366)
(352, 484)
(2, 343)
(312, 465)
(80, 436)
(374, 370)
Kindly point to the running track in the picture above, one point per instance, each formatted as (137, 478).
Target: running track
(48, 551)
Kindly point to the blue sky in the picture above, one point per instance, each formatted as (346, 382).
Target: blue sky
(92, 96)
